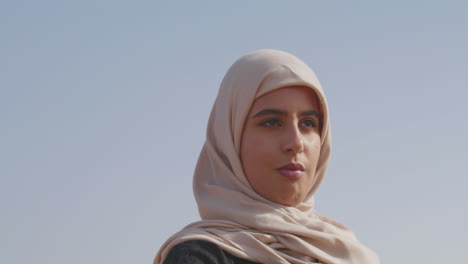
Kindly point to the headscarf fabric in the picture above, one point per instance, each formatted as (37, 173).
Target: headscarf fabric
(234, 216)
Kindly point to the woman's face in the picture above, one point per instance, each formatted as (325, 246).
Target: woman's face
(280, 144)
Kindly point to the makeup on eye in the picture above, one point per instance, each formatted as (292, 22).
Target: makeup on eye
(272, 118)
(309, 123)
(276, 122)
(270, 122)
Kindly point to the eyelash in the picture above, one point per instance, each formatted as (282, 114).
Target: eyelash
(313, 123)
(274, 122)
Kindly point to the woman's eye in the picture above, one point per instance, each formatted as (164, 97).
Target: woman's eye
(309, 123)
(273, 122)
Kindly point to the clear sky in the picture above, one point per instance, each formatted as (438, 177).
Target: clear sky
(104, 104)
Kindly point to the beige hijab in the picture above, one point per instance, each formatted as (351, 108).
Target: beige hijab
(233, 215)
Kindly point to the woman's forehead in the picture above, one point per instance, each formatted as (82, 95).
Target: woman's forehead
(290, 97)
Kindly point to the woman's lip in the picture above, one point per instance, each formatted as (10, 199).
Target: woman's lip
(291, 173)
(293, 166)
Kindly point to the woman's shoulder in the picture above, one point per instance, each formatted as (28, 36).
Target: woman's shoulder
(201, 252)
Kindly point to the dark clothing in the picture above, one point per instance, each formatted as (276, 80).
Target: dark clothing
(201, 252)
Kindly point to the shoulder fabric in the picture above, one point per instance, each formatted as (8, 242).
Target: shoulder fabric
(201, 252)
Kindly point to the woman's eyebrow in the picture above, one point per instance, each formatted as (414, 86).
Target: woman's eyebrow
(309, 113)
(270, 112)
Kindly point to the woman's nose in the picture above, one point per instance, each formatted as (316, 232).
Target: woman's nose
(293, 141)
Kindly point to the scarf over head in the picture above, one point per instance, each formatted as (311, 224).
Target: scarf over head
(234, 216)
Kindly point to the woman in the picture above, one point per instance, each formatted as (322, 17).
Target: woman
(265, 155)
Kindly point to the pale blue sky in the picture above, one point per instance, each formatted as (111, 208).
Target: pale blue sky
(103, 109)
